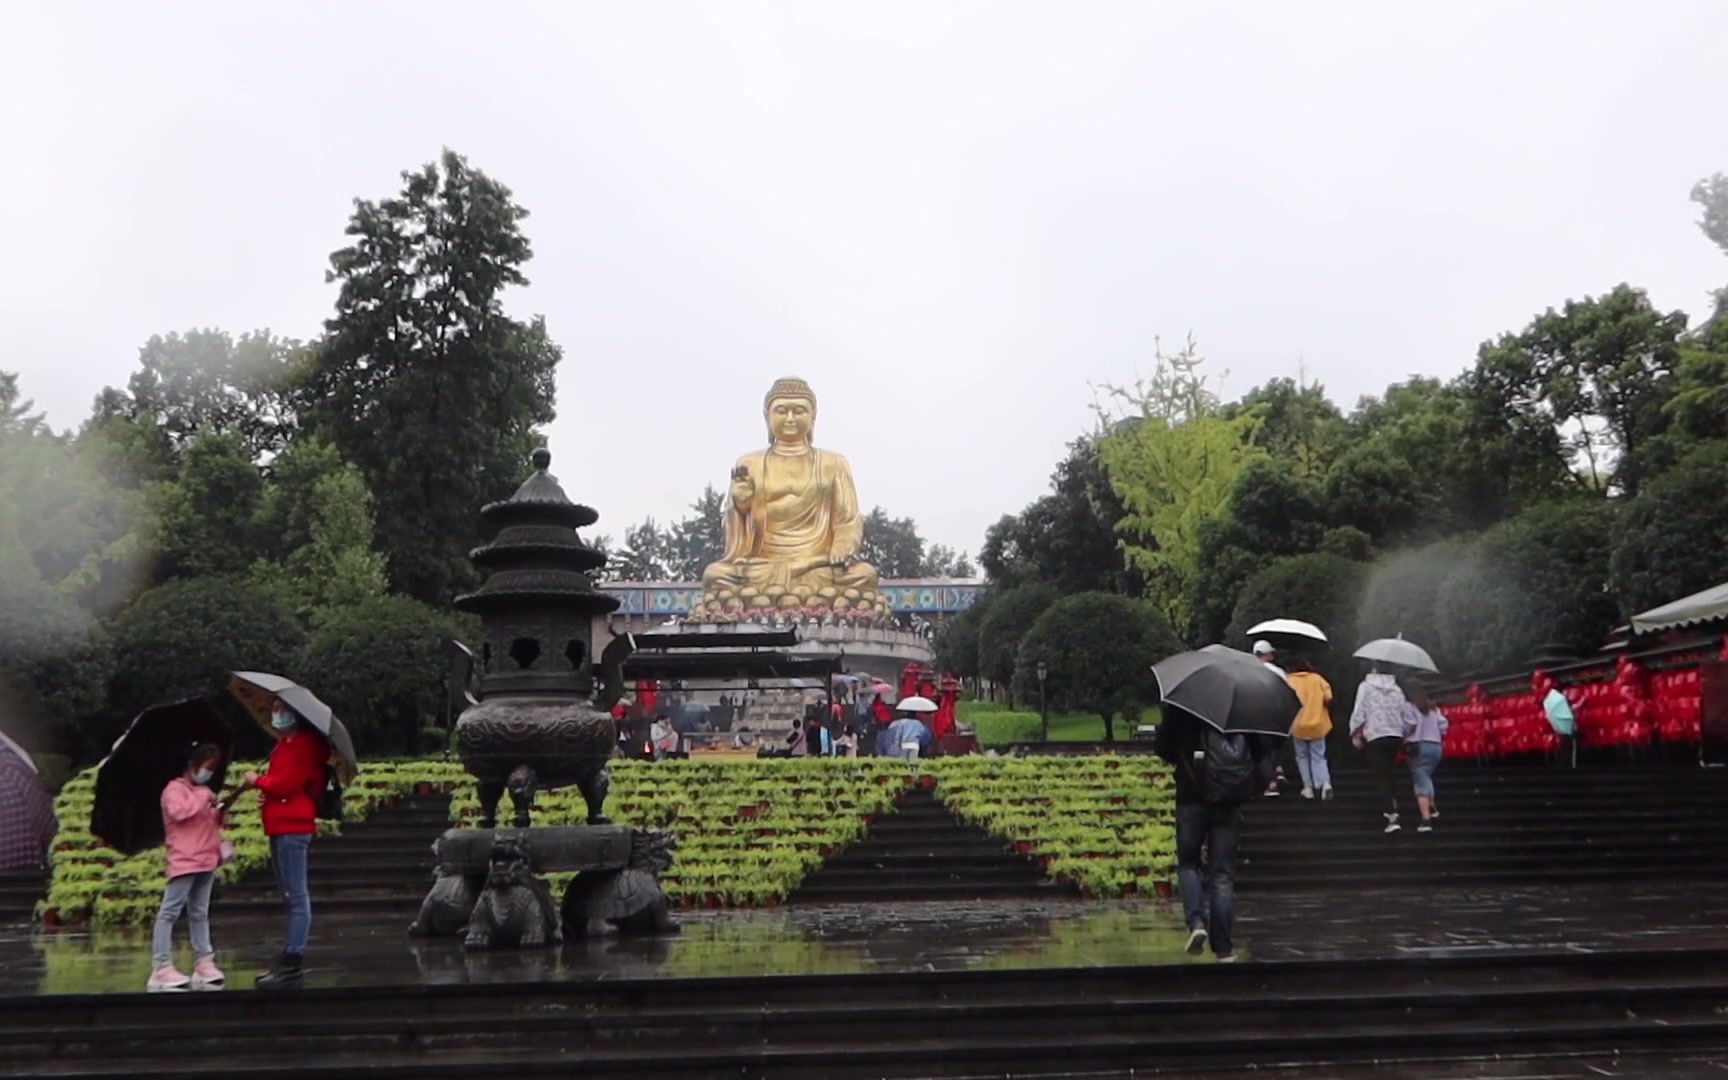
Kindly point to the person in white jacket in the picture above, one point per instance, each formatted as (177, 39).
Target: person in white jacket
(1377, 726)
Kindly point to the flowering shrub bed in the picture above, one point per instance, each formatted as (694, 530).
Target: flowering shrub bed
(1104, 823)
(749, 831)
(91, 882)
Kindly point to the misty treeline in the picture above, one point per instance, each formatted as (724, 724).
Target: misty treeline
(1572, 476)
(300, 506)
(682, 550)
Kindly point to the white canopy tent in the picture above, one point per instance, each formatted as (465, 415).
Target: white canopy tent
(1701, 607)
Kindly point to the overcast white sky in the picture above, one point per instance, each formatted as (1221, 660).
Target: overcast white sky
(948, 217)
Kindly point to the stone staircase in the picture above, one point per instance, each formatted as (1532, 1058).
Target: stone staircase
(1653, 1014)
(1512, 826)
(921, 851)
(381, 866)
(19, 891)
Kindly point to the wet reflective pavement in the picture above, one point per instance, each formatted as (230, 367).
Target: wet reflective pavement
(853, 939)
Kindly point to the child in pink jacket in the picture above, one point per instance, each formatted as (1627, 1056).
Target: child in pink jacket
(192, 823)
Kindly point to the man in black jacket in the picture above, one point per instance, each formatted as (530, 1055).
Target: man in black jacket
(1210, 819)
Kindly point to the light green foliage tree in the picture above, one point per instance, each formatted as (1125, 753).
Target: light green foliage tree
(1010, 614)
(1098, 650)
(315, 523)
(422, 381)
(1174, 459)
(379, 663)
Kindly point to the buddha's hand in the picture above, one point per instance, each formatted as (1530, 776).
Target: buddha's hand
(743, 488)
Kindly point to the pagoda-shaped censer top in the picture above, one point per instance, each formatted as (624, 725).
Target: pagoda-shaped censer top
(539, 602)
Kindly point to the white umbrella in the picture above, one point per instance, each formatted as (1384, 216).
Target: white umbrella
(1398, 651)
(1292, 627)
(917, 704)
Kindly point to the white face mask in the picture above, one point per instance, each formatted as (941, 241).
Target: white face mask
(281, 721)
(202, 776)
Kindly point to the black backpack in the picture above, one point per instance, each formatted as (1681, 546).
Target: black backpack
(1230, 773)
(330, 796)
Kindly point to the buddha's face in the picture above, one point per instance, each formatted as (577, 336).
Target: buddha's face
(790, 419)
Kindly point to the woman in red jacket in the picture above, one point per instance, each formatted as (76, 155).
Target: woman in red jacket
(289, 788)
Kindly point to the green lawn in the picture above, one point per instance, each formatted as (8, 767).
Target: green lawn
(998, 725)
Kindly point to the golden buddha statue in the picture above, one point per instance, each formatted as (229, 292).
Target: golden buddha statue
(792, 527)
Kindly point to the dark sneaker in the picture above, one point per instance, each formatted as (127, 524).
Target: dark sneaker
(1425, 827)
(1197, 941)
(286, 975)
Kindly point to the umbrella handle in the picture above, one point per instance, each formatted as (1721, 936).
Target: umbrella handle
(228, 803)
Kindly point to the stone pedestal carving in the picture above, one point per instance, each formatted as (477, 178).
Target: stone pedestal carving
(488, 890)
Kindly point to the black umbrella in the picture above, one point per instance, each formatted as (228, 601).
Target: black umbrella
(1228, 689)
(127, 811)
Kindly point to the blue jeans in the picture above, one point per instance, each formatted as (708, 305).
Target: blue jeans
(1208, 902)
(1424, 760)
(288, 860)
(189, 893)
(1311, 763)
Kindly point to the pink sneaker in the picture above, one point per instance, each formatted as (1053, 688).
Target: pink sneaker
(167, 977)
(206, 973)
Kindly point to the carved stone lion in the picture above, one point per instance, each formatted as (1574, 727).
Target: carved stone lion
(515, 909)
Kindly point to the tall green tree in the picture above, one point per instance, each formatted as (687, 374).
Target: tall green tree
(16, 417)
(1297, 424)
(645, 556)
(1539, 579)
(380, 664)
(700, 538)
(1274, 511)
(1098, 650)
(1325, 590)
(1010, 614)
(53, 658)
(892, 545)
(1673, 539)
(1600, 370)
(1067, 538)
(422, 381)
(183, 639)
(205, 520)
(207, 382)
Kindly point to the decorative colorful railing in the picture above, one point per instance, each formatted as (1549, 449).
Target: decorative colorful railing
(1653, 698)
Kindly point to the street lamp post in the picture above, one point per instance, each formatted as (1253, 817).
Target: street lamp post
(1043, 705)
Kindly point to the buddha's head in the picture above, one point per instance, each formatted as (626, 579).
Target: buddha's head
(790, 409)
